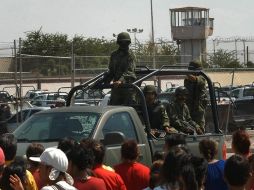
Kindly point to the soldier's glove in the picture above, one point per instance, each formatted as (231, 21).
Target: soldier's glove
(199, 131)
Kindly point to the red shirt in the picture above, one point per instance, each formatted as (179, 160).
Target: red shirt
(135, 175)
(112, 180)
(92, 183)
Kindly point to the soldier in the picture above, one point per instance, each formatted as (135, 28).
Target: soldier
(156, 111)
(179, 114)
(121, 71)
(197, 98)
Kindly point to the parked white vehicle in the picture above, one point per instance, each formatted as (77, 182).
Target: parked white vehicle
(243, 93)
(48, 99)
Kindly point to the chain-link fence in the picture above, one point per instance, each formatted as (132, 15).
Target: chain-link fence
(242, 48)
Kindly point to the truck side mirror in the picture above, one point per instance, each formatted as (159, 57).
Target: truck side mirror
(114, 138)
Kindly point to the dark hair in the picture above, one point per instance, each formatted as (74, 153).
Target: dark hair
(241, 142)
(208, 148)
(81, 157)
(8, 143)
(175, 139)
(171, 168)
(158, 155)
(97, 148)
(200, 166)
(155, 173)
(129, 150)
(236, 170)
(17, 167)
(189, 177)
(34, 149)
(66, 145)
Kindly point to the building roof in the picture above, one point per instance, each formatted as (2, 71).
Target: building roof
(189, 8)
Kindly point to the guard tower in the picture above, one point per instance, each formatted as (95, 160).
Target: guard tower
(190, 27)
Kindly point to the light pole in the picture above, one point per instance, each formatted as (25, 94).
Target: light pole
(153, 44)
(135, 31)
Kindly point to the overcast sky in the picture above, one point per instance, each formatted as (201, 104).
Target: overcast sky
(97, 18)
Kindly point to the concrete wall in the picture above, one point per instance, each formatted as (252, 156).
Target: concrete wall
(225, 77)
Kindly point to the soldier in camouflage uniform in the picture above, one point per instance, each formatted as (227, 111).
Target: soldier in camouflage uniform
(179, 114)
(156, 111)
(197, 99)
(121, 70)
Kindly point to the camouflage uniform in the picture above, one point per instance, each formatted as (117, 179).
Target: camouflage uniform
(121, 68)
(197, 98)
(180, 118)
(158, 116)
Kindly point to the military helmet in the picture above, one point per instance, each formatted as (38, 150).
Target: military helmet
(123, 36)
(181, 90)
(149, 89)
(195, 65)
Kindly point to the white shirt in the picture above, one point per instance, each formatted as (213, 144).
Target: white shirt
(63, 184)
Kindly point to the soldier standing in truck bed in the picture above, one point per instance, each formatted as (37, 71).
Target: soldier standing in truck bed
(197, 98)
(121, 71)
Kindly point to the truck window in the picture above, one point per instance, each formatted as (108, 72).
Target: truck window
(121, 122)
(248, 92)
(235, 93)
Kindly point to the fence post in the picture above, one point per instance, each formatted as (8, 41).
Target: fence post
(20, 80)
(72, 66)
(38, 84)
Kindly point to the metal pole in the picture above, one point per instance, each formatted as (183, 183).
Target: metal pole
(15, 78)
(229, 105)
(153, 44)
(16, 67)
(236, 49)
(244, 54)
(20, 80)
(72, 66)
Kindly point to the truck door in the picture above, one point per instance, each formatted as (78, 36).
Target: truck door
(121, 122)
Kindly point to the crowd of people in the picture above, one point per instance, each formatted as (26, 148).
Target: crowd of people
(79, 165)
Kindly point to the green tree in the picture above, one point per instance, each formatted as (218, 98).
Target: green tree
(223, 59)
(250, 64)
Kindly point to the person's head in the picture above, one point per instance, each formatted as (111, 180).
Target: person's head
(236, 171)
(97, 148)
(34, 150)
(66, 144)
(123, 40)
(17, 167)
(241, 142)
(208, 148)
(195, 65)
(150, 93)
(8, 143)
(60, 102)
(155, 173)
(181, 94)
(129, 150)
(174, 139)
(158, 155)
(200, 167)
(171, 168)
(80, 159)
(53, 166)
